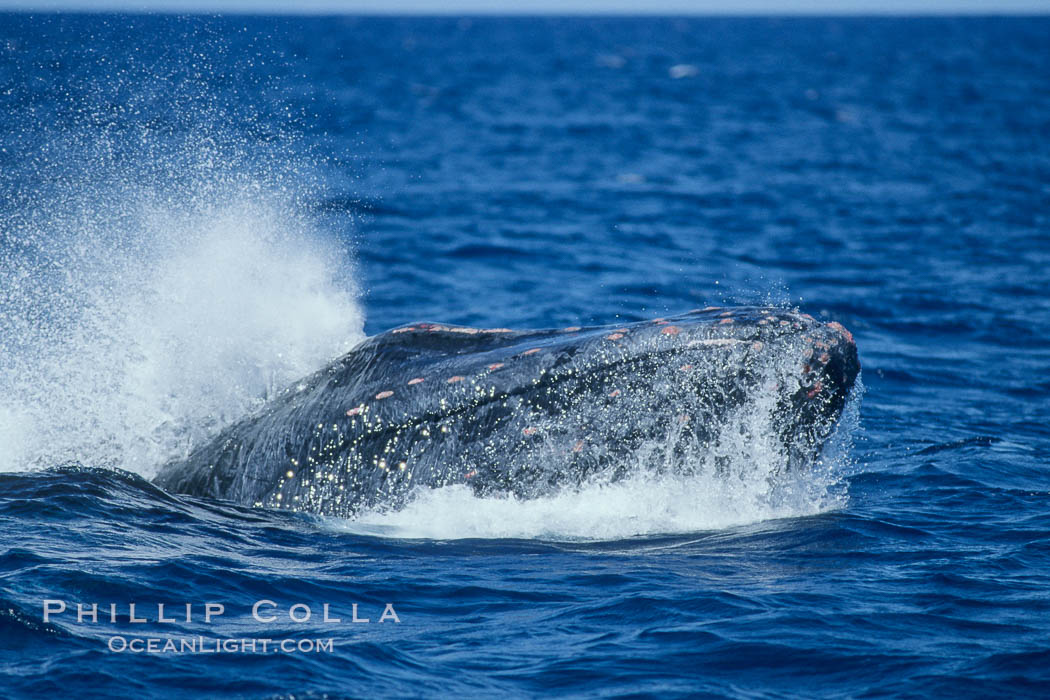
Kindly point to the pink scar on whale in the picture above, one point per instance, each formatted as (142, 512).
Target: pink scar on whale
(495, 365)
(453, 380)
(354, 411)
(417, 380)
(836, 326)
(614, 336)
(533, 351)
(671, 330)
(384, 394)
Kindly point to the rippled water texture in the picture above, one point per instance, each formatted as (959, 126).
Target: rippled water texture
(196, 212)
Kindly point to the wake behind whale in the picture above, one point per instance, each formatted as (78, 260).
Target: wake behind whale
(533, 413)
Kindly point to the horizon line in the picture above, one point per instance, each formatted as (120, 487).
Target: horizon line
(102, 9)
(543, 8)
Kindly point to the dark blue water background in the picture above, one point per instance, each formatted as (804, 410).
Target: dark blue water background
(890, 174)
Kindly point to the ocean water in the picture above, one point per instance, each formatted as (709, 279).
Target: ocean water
(197, 211)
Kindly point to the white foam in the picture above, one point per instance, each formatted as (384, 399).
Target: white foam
(635, 507)
(750, 486)
(136, 322)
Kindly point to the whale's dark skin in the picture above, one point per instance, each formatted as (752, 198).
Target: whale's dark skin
(529, 412)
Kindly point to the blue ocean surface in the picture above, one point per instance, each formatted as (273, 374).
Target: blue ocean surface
(195, 212)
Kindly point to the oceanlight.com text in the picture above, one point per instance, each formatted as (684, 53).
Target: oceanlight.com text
(216, 645)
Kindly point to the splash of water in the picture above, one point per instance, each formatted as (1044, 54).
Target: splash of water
(160, 271)
(124, 345)
(750, 486)
(638, 506)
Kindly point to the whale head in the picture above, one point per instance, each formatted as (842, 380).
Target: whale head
(530, 412)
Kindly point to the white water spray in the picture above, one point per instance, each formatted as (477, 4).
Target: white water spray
(749, 487)
(136, 324)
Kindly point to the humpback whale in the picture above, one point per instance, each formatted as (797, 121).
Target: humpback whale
(526, 413)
